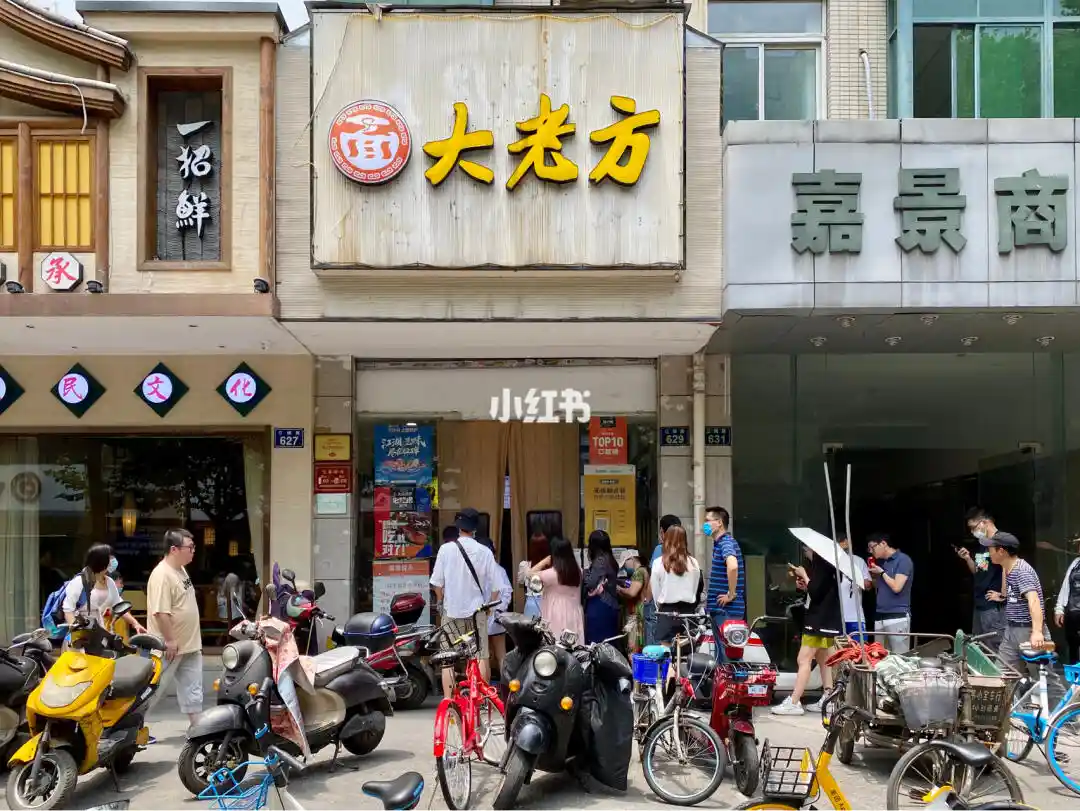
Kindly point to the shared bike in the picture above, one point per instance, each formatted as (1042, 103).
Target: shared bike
(470, 723)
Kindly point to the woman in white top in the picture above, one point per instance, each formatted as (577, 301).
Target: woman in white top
(103, 591)
(676, 582)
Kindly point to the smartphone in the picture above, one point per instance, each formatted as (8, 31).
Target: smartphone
(871, 561)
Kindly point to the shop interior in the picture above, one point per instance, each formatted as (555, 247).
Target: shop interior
(60, 494)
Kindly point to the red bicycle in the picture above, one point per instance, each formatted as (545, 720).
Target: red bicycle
(471, 722)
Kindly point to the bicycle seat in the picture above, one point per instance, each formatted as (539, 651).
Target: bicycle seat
(400, 794)
(970, 753)
(1038, 656)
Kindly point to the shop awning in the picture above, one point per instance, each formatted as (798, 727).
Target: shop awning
(56, 91)
(64, 35)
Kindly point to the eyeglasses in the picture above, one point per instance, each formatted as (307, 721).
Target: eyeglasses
(187, 546)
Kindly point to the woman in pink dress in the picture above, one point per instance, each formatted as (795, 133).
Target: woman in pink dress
(560, 604)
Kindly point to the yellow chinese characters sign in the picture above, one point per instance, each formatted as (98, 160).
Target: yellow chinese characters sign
(541, 143)
(610, 502)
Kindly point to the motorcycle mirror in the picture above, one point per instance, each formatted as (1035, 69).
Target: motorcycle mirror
(39, 634)
(271, 595)
(121, 608)
(320, 589)
(536, 585)
(290, 575)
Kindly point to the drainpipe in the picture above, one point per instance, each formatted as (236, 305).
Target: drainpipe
(865, 57)
(701, 543)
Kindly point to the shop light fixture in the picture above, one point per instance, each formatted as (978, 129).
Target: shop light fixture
(969, 340)
(94, 286)
(14, 287)
(1011, 318)
(929, 320)
(1045, 340)
(209, 536)
(846, 321)
(893, 340)
(129, 514)
(262, 286)
(410, 425)
(818, 340)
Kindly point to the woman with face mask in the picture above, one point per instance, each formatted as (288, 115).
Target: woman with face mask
(633, 590)
(103, 592)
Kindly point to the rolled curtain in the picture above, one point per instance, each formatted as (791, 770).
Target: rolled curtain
(20, 603)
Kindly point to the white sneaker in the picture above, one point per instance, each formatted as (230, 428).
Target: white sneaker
(786, 707)
(815, 707)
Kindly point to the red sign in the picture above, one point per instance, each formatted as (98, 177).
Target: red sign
(607, 441)
(402, 535)
(370, 142)
(332, 477)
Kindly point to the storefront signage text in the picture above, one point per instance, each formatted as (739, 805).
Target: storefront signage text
(161, 390)
(78, 390)
(243, 389)
(196, 162)
(607, 441)
(1032, 210)
(370, 143)
(61, 271)
(10, 390)
(331, 477)
(541, 406)
(333, 447)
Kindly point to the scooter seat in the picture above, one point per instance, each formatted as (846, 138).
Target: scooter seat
(400, 793)
(130, 675)
(334, 662)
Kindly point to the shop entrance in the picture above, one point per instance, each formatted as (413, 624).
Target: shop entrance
(920, 497)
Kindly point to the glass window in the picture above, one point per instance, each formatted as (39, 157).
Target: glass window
(1010, 71)
(891, 74)
(790, 84)
(8, 180)
(741, 70)
(65, 218)
(944, 9)
(890, 16)
(1006, 9)
(1066, 69)
(1067, 8)
(726, 17)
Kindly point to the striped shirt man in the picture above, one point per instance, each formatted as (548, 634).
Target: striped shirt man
(724, 547)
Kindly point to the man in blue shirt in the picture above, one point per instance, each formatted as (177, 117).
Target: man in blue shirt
(892, 571)
(649, 607)
(727, 577)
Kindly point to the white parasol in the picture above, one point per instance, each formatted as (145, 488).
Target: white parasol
(827, 549)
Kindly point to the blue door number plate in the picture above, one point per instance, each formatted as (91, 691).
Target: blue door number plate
(288, 437)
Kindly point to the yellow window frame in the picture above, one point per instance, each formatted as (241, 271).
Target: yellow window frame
(64, 193)
(9, 188)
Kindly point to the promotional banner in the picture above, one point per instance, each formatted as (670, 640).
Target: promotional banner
(607, 441)
(402, 535)
(404, 454)
(400, 577)
(609, 492)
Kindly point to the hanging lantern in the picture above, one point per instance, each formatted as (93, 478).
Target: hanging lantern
(209, 535)
(234, 548)
(129, 514)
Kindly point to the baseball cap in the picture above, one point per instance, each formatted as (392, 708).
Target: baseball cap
(467, 520)
(1003, 539)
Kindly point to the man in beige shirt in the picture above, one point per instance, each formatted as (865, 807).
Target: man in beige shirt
(172, 612)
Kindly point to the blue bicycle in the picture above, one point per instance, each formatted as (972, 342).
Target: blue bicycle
(1055, 731)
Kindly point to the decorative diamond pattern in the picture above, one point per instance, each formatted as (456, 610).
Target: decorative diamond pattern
(243, 389)
(10, 390)
(161, 389)
(78, 390)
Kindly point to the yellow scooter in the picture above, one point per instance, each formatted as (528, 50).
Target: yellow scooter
(87, 712)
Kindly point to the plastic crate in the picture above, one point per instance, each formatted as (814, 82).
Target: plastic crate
(786, 772)
(648, 670)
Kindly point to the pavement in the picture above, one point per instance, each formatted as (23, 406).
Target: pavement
(153, 782)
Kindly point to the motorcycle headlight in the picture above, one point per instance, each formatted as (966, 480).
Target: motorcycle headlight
(230, 657)
(545, 664)
(55, 696)
(736, 635)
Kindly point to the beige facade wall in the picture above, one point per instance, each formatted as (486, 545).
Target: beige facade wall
(853, 26)
(289, 405)
(124, 150)
(14, 47)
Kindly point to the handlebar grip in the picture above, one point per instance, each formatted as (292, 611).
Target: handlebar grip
(290, 762)
(328, 617)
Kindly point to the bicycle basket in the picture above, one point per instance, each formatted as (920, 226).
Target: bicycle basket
(929, 698)
(227, 792)
(1072, 674)
(786, 772)
(457, 635)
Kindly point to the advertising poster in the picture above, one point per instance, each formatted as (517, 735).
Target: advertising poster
(610, 502)
(402, 535)
(404, 454)
(607, 441)
(401, 577)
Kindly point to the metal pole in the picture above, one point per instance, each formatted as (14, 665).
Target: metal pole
(860, 617)
(836, 549)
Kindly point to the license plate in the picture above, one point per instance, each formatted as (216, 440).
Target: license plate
(757, 689)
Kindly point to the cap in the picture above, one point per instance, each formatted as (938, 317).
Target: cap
(1003, 539)
(467, 520)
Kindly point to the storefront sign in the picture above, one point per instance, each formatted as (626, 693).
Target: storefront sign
(331, 504)
(10, 390)
(607, 441)
(402, 535)
(61, 271)
(610, 492)
(404, 453)
(675, 437)
(333, 447)
(195, 163)
(1032, 210)
(370, 142)
(392, 578)
(161, 390)
(288, 437)
(718, 435)
(587, 138)
(78, 390)
(333, 477)
(568, 405)
(244, 389)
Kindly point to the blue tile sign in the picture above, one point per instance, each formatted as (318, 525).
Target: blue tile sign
(718, 435)
(288, 437)
(675, 437)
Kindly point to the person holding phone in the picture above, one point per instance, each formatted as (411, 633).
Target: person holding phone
(988, 614)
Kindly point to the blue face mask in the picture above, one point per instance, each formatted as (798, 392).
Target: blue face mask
(707, 528)
(114, 564)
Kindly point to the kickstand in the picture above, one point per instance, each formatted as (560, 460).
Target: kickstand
(115, 779)
(334, 759)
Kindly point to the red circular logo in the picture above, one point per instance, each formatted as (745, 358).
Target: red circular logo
(370, 142)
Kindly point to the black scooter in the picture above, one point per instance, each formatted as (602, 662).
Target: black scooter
(561, 695)
(349, 708)
(22, 666)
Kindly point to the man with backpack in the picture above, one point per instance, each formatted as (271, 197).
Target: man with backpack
(463, 576)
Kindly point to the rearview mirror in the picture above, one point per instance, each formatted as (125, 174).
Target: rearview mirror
(271, 595)
(39, 634)
(290, 575)
(320, 589)
(121, 608)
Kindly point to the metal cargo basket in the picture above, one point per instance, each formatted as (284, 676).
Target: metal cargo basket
(929, 698)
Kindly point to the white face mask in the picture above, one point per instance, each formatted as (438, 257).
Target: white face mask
(980, 534)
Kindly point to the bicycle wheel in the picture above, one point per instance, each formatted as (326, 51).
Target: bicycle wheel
(703, 754)
(1018, 741)
(767, 805)
(1063, 748)
(490, 732)
(455, 764)
(926, 767)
